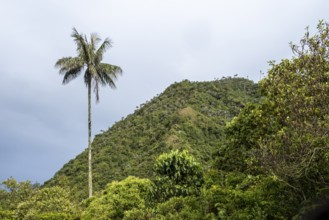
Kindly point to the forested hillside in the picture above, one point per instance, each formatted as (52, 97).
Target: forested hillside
(187, 115)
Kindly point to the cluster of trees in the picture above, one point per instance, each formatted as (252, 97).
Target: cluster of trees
(177, 175)
(23, 200)
(187, 115)
(271, 161)
(180, 189)
(286, 135)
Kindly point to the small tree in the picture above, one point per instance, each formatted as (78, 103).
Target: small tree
(47, 203)
(298, 90)
(177, 174)
(287, 134)
(12, 193)
(117, 198)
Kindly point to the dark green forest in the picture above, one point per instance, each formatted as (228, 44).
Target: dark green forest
(225, 149)
(187, 115)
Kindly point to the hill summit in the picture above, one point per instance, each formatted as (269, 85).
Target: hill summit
(187, 115)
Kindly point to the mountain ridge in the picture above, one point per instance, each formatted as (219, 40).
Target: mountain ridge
(187, 115)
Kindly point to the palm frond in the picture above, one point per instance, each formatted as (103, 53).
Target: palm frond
(71, 67)
(70, 75)
(94, 40)
(77, 39)
(82, 45)
(102, 49)
(66, 64)
(108, 73)
(87, 76)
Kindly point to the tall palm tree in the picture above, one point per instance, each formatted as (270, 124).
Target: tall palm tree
(96, 73)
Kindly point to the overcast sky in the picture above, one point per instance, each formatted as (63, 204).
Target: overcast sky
(43, 124)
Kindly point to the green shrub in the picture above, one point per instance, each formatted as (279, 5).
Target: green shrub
(140, 214)
(47, 203)
(189, 207)
(177, 174)
(117, 198)
(7, 214)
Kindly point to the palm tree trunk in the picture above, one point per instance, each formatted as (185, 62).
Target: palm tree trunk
(90, 177)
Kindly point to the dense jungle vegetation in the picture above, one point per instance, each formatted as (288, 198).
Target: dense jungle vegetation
(225, 149)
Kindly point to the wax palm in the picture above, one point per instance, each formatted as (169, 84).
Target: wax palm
(96, 73)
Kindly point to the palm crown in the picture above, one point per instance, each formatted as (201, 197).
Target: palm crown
(89, 58)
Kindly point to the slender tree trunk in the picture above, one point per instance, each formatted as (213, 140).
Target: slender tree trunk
(90, 177)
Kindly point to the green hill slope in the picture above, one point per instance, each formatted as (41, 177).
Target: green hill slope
(187, 115)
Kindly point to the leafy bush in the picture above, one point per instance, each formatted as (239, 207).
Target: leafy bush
(117, 198)
(7, 214)
(47, 203)
(189, 207)
(12, 193)
(141, 214)
(242, 196)
(177, 174)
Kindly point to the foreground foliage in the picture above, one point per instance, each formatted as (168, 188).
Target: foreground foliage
(177, 174)
(22, 200)
(118, 197)
(286, 135)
